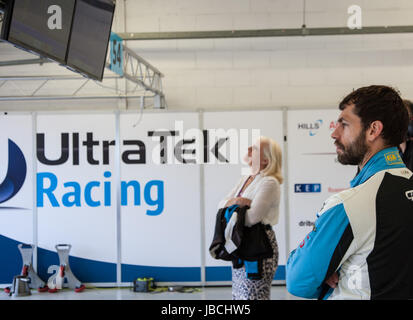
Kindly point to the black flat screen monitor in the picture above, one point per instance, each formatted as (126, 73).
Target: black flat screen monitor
(92, 23)
(30, 27)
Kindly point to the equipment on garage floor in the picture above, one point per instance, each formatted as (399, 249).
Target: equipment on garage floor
(57, 281)
(20, 287)
(148, 285)
(33, 280)
(26, 250)
(143, 285)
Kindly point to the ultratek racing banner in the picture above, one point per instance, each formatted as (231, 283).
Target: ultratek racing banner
(147, 219)
(147, 207)
(142, 216)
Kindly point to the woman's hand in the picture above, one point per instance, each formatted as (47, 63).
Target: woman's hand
(242, 202)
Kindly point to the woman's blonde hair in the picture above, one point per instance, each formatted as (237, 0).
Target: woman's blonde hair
(273, 153)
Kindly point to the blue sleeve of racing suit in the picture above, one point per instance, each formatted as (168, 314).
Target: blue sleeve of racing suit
(308, 264)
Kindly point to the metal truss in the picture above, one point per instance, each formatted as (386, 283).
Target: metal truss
(137, 70)
(147, 80)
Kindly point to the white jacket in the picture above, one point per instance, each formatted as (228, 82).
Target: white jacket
(264, 193)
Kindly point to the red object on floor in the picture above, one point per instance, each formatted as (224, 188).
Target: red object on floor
(43, 289)
(53, 290)
(7, 290)
(80, 289)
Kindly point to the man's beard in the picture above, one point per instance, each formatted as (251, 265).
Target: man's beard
(354, 153)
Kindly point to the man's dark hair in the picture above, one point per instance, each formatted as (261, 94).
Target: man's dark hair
(381, 103)
(409, 106)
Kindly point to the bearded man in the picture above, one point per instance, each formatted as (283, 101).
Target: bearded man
(360, 246)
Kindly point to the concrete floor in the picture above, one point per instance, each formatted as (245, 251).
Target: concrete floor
(207, 293)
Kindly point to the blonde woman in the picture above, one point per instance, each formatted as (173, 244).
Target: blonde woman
(261, 192)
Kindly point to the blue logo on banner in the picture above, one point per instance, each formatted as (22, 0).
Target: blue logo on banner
(16, 173)
(307, 187)
(314, 130)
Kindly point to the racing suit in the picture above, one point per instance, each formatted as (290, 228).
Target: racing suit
(365, 234)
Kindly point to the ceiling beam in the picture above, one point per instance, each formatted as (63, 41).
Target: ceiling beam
(24, 62)
(262, 33)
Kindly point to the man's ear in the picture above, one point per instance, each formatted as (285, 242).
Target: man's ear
(374, 131)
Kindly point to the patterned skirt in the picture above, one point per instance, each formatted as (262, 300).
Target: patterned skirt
(247, 289)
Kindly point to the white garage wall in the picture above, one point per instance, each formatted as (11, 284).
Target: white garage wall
(271, 72)
(276, 72)
(201, 15)
(314, 71)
